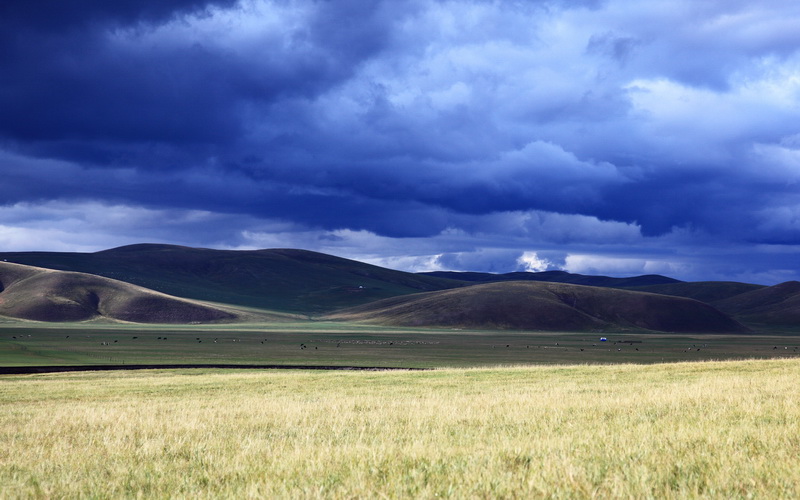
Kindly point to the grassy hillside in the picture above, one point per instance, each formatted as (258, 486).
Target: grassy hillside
(556, 277)
(774, 305)
(544, 306)
(689, 430)
(39, 294)
(704, 291)
(314, 284)
(289, 280)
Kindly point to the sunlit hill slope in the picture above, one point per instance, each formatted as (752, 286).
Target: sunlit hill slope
(45, 295)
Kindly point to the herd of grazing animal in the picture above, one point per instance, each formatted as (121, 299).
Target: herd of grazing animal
(617, 345)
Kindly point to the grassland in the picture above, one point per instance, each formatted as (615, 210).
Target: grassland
(324, 343)
(716, 430)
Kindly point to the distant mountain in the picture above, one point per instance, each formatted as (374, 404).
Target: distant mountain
(287, 280)
(773, 305)
(556, 277)
(704, 291)
(544, 306)
(38, 294)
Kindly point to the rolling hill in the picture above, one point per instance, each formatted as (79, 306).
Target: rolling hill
(311, 284)
(544, 306)
(774, 305)
(704, 291)
(287, 280)
(39, 294)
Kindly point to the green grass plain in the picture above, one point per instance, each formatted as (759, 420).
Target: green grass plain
(325, 343)
(685, 430)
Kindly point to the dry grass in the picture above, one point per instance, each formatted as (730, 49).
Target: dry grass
(720, 430)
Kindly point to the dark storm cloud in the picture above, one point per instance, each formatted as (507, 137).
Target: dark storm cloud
(45, 16)
(108, 79)
(512, 122)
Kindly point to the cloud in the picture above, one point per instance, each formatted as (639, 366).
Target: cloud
(55, 16)
(531, 262)
(93, 226)
(479, 131)
(599, 264)
(491, 246)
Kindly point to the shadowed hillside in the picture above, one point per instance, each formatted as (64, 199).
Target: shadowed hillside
(544, 306)
(288, 280)
(704, 291)
(313, 284)
(45, 295)
(773, 305)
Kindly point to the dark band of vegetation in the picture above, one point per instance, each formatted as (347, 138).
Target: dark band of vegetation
(23, 370)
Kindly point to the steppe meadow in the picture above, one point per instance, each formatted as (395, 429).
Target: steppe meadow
(683, 430)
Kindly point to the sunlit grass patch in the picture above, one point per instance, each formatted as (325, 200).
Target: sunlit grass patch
(727, 429)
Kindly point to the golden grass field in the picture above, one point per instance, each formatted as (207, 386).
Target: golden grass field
(706, 429)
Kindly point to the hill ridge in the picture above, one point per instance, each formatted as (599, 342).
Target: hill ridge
(774, 305)
(557, 276)
(39, 294)
(311, 284)
(287, 280)
(531, 305)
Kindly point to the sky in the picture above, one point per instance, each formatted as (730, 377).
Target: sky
(599, 137)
